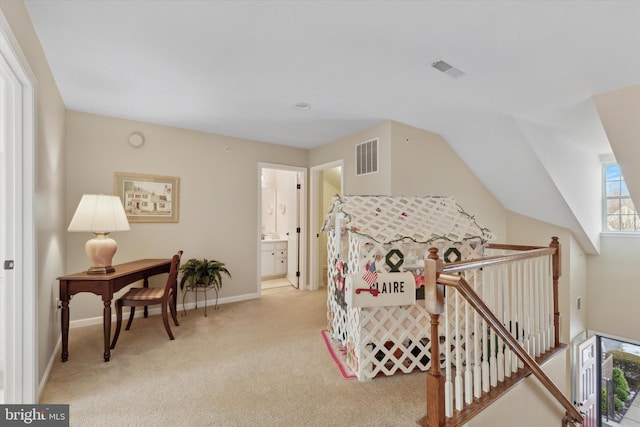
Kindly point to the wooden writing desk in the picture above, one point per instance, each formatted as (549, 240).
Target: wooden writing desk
(106, 285)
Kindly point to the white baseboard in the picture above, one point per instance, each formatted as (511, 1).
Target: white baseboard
(47, 372)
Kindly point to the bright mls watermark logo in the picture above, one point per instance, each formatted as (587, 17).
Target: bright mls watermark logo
(34, 415)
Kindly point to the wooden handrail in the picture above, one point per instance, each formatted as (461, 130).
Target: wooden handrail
(506, 247)
(467, 292)
(458, 266)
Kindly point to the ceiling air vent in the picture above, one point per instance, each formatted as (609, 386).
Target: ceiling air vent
(448, 69)
(367, 157)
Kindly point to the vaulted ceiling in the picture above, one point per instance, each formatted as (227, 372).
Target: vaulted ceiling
(523, 116)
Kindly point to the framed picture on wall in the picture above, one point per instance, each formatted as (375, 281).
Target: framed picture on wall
(148, 198)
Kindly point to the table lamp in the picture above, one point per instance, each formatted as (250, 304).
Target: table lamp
(101, 215)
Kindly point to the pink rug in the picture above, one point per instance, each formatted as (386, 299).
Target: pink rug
(339, 355)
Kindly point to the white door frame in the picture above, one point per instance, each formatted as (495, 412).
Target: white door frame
(20, 370)
(303, 221)
(315, 219)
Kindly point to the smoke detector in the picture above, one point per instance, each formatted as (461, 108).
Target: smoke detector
(302, 106)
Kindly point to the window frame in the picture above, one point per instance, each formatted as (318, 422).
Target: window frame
(605, 199)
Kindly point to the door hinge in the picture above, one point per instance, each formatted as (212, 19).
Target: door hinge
(298, 230)
(298, 186)
(8, 264)
(297, 274)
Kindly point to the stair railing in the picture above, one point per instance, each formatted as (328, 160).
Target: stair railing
(501, 315)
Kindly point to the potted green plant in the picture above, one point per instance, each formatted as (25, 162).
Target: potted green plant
(202, 274)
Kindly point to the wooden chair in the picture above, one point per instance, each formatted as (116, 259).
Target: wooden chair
(166, 297)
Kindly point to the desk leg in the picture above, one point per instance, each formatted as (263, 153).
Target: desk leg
(146, 285)
(64, 325)
(107, 330)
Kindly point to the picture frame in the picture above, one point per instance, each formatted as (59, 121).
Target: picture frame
(148, 198)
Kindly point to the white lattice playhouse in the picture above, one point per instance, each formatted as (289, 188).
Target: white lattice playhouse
(370, 240)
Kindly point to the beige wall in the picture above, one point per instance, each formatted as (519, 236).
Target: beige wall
(50, 184)
(344, 149)
(614, 291)
(619, 111)
(529, 404)
(219, 186)
(423, 164)
(612, 275)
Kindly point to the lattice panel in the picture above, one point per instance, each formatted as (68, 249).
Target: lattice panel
(362, 251)
(392, 339)
(387, 218)
(336, 309)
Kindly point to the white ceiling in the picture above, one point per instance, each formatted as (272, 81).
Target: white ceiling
(238, 67)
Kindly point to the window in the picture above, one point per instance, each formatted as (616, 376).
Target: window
(620, 213)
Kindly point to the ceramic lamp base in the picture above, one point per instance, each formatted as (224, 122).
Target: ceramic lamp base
(100, 251)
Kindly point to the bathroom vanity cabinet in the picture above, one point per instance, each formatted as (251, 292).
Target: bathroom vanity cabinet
(274, 258)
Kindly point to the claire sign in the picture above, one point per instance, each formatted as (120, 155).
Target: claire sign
(389, 289)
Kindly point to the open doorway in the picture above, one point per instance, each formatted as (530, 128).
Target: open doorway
(281, 239)
(326, 181)
(619, 382)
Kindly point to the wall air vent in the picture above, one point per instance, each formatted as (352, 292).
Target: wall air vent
(367, 157)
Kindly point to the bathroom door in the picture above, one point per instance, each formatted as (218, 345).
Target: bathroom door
(293, 228)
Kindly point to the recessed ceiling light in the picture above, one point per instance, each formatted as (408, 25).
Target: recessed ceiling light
(448, 69)
(302, 106)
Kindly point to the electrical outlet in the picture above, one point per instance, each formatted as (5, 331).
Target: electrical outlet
(57, 304)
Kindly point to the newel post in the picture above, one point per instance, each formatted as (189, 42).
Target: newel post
(434, 303)
(555, 243)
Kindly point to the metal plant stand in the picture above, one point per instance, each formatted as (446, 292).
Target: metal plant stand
(199, 288)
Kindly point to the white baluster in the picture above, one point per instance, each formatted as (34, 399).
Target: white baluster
(468, 373)
(545, 304)
(499, 311)
(509, 314)
(448, 392)
(519, 324)
(538, 300)
(485, 333)
(493, 368)
(528, 345)
(549, 286)
(477, 341)
(458, 359)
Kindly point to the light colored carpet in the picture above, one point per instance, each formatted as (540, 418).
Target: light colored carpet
(254, 363)
(275, 283)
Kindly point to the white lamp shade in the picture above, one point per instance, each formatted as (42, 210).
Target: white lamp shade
(100, 214)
